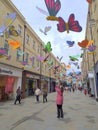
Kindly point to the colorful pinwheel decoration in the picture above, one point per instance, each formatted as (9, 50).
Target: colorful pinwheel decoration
(11, 31)
(46, 29)
(71, 25)
(70, 43)
(47, 47)
(8, 20)
(91, 49)
(53, 8)
(73, 58)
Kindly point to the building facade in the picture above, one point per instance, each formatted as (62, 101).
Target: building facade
(21, 66)
(90, 61)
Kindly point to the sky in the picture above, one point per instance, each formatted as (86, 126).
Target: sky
(37, 21)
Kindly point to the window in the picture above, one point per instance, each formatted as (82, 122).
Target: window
(26, 59)
(38, 49)
(33, 44)
(27, 38)
(19, 29)
(6, 46)
(18, 56)
(33, 59)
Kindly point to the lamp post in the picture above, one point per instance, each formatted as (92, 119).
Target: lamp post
(24, 40)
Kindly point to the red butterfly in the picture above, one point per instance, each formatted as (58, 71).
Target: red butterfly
(70, 25)
(89, 1)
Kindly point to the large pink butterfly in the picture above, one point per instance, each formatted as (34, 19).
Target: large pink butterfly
(70, 25)
(53, 8)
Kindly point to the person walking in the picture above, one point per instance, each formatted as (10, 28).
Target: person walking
(37, 94)
(59, 99)
(44, 92)
(18, 96)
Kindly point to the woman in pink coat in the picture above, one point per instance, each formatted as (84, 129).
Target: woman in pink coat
(59, 99)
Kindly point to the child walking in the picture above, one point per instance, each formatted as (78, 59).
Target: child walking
(59, 100)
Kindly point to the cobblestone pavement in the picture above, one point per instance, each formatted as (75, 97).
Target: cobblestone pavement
(80, 113)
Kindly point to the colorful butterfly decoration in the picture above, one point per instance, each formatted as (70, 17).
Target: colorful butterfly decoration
(81, 55)
(89, 1)
(73, 58)
(44, 59)
(68, 66)
(24, 63)
(70, 43)
(50, 62)
(8, 57)
(32, 59)
(70, 25)
(59, 58)
(11, 31)
(85, 43)
(8, 20)
(20, 53)
(47, 47)
(41, 10)
(91, 49)
(2, 51)
(46, 29)
(14, 44)
(53, 8)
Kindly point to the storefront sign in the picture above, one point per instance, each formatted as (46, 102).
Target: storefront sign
(32, 76)
(12, 72)
(90, 75)
(6, 71)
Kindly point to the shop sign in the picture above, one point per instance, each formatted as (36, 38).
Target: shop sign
(32, 76)
(90, 75)
(5, 71)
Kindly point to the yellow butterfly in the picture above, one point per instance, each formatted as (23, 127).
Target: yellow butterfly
(11, 32)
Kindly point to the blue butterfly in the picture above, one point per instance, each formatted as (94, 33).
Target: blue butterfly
(70, 43)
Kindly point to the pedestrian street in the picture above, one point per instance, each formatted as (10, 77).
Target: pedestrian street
(80, 113)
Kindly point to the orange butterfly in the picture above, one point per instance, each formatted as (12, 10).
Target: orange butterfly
(14, 44)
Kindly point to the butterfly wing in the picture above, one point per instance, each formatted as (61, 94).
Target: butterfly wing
(41, 11)
(92, 48)
(12, 31)
(42, 31)
(53, 7)
(70, 43)
(47, 29)
(45, 59)
(89, 1)
(8, 20)
(40, 58)
(61, 26)
(74, 25)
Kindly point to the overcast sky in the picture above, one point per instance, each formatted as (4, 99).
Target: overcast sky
(58, 40)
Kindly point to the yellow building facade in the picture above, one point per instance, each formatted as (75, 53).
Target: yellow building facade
(90, 61)
(21, 66)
